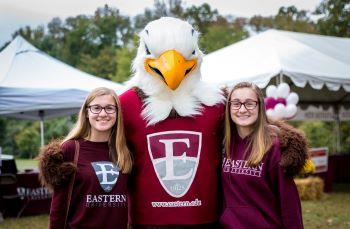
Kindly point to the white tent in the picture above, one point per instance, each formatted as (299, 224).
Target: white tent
(35, 86)
(316, 67)
(304, 58)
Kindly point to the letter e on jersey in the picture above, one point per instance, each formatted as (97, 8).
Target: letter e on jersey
(107, 174)
(175, 156)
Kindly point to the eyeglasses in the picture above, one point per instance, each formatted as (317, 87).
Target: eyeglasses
(96, 109)
(249, 105)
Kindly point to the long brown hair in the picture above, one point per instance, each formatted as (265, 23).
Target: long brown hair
(261, 139)
(118, 150)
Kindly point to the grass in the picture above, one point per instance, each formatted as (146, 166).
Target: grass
(29, 222)
(332, 211)
(23, 164)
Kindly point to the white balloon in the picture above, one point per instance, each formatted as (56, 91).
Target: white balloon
(279, 110)
(271, 91)
(291, 110)
(270, 113)
(283, 90)
(292, 98)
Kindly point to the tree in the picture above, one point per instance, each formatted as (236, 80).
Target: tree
(222, 34)
(260, 23)
(288, 18)
(28, 141)
(345, 136)
(103, 65)
(124, 59)
(22, 138)
(160, 9)
(58, 127)
(319, 134)
(34, 36)
(78, 39)
(110, 28)
(336, 18)
(201, 16)
(11, 128)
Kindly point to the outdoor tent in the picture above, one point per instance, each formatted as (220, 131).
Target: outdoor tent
(34, 85)
(316, 67)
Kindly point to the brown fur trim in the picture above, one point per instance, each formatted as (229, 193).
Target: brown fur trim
(53, 171)
(173, 114)
(294, 148)
(142, 96)
(225, 91)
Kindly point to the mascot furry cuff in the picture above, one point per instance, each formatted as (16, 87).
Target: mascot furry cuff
(174, 127)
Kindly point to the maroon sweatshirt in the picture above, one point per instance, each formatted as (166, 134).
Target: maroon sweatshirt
(99, 191)
(261, 196)
(175, 178)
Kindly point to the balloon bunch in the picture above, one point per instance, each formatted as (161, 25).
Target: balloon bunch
(280, 103)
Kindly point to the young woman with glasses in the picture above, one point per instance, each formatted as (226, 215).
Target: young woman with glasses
(257, 192)
(98, 190)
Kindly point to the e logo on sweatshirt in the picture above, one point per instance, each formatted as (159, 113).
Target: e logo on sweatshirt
(175, 157)
(107, 174)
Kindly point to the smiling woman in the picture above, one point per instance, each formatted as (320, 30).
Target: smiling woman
(257, 192)
(95, 187)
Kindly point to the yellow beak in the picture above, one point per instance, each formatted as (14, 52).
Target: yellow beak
(171, 67)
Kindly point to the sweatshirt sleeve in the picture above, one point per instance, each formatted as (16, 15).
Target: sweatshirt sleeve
(60, 193)
(287, 193)
(58, 207)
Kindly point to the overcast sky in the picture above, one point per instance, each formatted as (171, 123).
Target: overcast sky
(18, 13)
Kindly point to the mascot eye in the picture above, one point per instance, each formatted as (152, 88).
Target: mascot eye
(147, 50)
(194, 52)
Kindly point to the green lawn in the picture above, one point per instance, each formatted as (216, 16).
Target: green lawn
(32, 222)
(23, 164)
(331, 212)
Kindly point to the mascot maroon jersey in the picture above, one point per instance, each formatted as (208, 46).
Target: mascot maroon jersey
(176, 163)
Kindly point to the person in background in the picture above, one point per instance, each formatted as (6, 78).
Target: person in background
(257, 192)
(98, 195)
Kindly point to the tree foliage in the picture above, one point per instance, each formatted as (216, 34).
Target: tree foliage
(287, 18)
(123, 58)
(335, 18)
(28, 141)
(319, 134)
(221, 34)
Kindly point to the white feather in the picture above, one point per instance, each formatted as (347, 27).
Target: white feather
(188, 99)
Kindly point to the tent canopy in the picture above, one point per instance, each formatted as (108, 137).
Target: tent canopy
(316, 67)
(35, 104)
(34, 85)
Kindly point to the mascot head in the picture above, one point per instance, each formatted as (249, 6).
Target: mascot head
(167, 70)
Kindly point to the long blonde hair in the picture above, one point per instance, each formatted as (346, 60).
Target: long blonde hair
(118, 150)
(261, 138)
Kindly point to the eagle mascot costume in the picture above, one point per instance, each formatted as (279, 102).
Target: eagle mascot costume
(174, 128)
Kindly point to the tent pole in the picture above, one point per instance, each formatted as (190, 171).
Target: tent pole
(337, 129)
(42, 132)
(281, 78)
(41, 114)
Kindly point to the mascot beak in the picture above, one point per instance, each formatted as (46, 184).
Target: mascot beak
(171, 67)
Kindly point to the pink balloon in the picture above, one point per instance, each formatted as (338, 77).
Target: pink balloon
(270, 103)
(282, 100)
